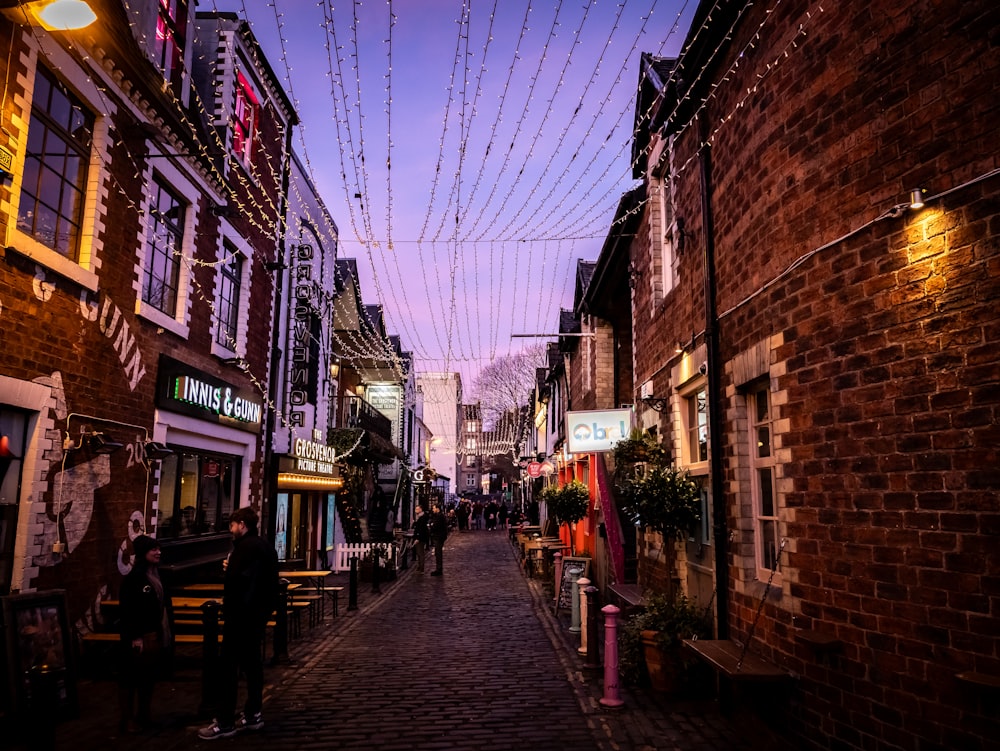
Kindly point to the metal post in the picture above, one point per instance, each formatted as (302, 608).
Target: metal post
(593, 661)
(611, 696)
(281, 623)
(558, 567)
(376, 571)
(574, 578)
(352, 585)
(210, 654)
(583, 583)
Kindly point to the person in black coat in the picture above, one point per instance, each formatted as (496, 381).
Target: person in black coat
(421, 536)
(439, 531)
(250, 591)
(145, 634)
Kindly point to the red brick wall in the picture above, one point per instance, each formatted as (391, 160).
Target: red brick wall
(889, 354)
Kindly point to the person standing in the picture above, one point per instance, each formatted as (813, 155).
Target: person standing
(250, 591)
(439, 532)
(421, 536)
(145, 634)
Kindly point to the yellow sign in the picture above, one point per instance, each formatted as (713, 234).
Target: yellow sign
(6, 161)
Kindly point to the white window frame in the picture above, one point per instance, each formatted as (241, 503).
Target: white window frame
(229, 239)
(178, 323)
(764, 558)
(84, 269)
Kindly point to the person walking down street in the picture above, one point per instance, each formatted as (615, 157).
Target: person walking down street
(421, 536)
(439, 532)
(250, 591)
(502, 516)
(145, 634)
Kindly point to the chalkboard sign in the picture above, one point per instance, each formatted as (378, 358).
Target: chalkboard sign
(570, 564)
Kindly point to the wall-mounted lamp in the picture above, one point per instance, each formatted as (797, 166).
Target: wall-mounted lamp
(678, 348)
(360, 390)
(656, 403)
(335, 368)
(153, 450)
(99, 443)
(917, 198)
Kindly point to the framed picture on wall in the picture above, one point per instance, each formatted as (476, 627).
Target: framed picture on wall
(40, 653)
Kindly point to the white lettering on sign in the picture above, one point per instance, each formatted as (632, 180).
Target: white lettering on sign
(304, 449)
(217, 399)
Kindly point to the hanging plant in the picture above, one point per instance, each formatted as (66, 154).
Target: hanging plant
(632, 454)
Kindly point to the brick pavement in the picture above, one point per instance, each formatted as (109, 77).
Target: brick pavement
(472, 660)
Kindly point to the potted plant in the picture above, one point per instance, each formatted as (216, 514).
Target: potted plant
(650, 642)
(664, 499)
(569, 504)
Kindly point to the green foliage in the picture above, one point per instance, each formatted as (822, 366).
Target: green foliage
(639, 448)
(673, 620)
(569, 503)
(664, 499)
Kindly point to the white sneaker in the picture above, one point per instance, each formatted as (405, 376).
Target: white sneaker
(215, 730)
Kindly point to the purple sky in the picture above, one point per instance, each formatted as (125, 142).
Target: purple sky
(514, 116)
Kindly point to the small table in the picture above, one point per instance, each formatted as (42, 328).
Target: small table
(316, 577)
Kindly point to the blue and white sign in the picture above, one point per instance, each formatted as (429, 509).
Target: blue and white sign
(597, 430)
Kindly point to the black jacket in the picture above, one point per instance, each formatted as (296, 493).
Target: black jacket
(141, 607)
(250, 588)
(421, 530)
(439, 526)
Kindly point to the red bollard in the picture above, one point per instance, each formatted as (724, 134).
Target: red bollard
(611, 696)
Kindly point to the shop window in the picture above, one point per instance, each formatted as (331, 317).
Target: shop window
(54, 180)
(695, 425)
(761, 432)
(171, 39)
(161, 280)
(229, 299)
(198, 492)
(245, 116)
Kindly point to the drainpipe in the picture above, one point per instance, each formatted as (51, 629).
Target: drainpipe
(715, 404)
(270, 478)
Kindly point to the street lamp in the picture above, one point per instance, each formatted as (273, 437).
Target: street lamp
(53, 15)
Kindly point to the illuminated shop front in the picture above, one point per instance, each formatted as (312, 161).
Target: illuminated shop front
(305, 505)
(211, 428)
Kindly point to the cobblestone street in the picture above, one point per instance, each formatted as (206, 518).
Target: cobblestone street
(471, 660)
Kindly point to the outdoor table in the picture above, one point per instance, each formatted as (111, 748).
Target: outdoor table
(317, 578)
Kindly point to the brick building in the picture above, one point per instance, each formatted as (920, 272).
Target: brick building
(142, 223)
(823, 358)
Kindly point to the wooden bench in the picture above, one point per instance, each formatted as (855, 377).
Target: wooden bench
(332, 592)
(732, 661)
(628, 597)
(109, 636)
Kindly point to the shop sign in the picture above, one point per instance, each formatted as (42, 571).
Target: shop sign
(182, 388)
(597, 430)
(314, 457)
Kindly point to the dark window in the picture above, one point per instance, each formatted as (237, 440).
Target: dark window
(55, 167)
(198, 492)
(163, 265)
(171, 31)
(229, 299)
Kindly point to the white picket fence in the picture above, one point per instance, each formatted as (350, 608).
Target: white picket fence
(344, 552)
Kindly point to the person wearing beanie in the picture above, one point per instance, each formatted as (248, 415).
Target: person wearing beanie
(145, 634)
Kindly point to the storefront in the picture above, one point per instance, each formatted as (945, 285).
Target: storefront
(305, 509)
(211, 431)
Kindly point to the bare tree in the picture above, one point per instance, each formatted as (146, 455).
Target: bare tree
(502, 389)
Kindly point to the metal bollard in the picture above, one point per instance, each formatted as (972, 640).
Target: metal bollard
(210, 655)
(593, 661)
(376, 572)
(557, 565)
(583, 583)
(281, 623)
(574, 578)
(611, 696)
(352, 585)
